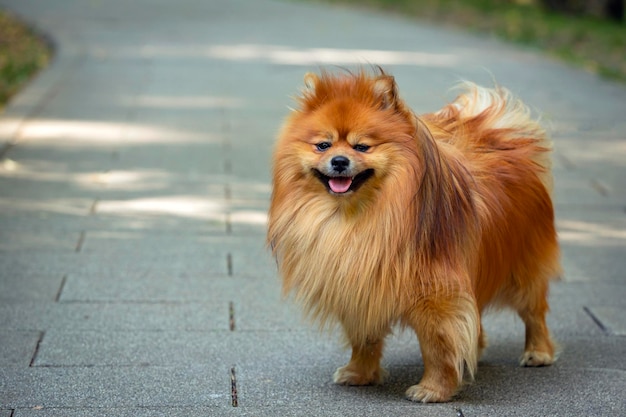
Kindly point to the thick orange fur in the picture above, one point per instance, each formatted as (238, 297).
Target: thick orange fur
(454, 215)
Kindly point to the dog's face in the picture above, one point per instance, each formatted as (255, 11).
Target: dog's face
(348, 138)
(342, 170)
(345, 154)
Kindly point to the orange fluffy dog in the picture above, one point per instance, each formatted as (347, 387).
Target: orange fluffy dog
(380, 217)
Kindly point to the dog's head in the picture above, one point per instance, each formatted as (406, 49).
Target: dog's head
(350, 133)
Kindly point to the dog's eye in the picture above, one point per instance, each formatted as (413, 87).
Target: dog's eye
(322, 146)
(360, 147)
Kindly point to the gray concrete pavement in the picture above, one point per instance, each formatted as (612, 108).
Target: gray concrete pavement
(134, 182)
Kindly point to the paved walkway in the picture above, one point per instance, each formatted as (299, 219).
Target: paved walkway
(134, 182)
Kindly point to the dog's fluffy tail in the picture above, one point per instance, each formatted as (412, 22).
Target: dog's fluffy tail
(493, 119)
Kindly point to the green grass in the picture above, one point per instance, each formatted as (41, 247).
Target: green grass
(599, 46)
(22, 54)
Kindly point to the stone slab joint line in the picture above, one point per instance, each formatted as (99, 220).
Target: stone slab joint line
(36, 352)
(227, 215)
(568, 164)
(93, 209)
(600, 187)
(597, 321)
(231, 316)
(229, 264)
(234, 400)
(57, 298)
(83, 233)
(81, 241)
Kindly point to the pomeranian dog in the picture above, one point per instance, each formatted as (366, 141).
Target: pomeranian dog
(380, 217)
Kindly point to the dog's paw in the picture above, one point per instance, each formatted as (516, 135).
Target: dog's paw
(421, 393)
(346, 375)
(534, 358)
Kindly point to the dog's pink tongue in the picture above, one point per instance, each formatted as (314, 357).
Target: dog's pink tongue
(340, 184)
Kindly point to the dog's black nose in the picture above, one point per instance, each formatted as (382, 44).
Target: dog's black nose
(340, 163)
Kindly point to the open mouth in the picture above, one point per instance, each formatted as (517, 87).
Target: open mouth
(342, 184)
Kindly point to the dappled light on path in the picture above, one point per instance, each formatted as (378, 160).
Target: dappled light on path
(589, 233)
(198, 102)
(286, 55)
(100, 133)
(191, 206)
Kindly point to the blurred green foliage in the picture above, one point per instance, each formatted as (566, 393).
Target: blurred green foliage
(596, 44)
(22, 54)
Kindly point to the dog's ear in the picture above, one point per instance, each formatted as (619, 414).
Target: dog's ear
(311, 96)
(310, 81)
(385, 89)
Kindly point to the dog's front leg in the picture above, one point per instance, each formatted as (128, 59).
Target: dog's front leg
(364, 366)
(447, 327)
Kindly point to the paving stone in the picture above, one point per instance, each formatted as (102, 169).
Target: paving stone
(248, 205)
(252, 258)
(112, 387)
(61, 241)
(599, 353)
(249, 221)
(156, 205)
(52, 217)
(183, 154)
(545, 391)
(50, 263)
(258, 310)
(594, 226)
(594, 263)
(180, 348)
(30, 287)
(582, 293)
(574, 189)
(150, 285)
(164, 411)
(104, 316)
(143, 242)
(49, 164)
(612, 319)
(143, 266)
(18, 347)
(136, 348)
(151, 214)
(250, 190)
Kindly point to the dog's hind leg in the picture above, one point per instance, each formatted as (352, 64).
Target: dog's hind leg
(539, 348)
(532, 307)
